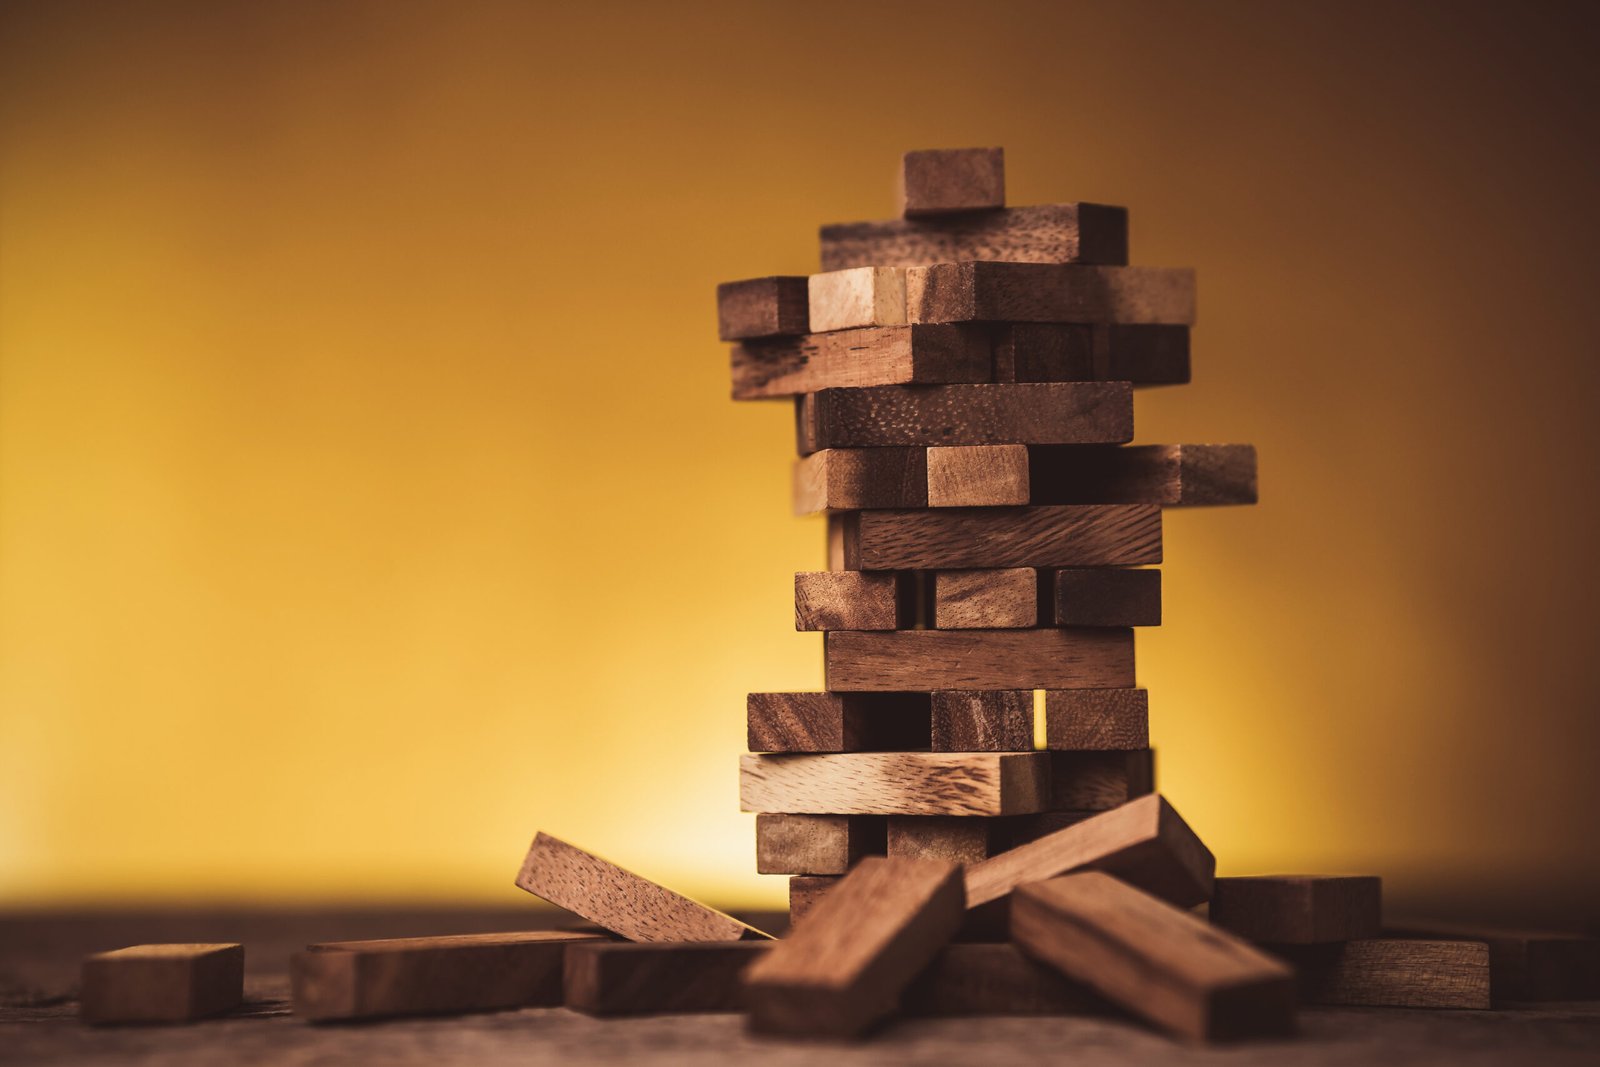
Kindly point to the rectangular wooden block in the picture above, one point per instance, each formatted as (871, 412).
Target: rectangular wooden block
(1152, 959)
(161, 983)
(816, 844)
(1099, 781)
(837, 722)
(856, 297)
(959, 839)
(1106, 596)
(806, 891)
(846, 966)
(619, 900)
(996, 979)
(1085, 352)
(1169, 475)
(1043, 233)
(1299, 909)
(612, 978)
(1528, 965)
(939, 181)
(1003, 599)
(975, 476)
(849, 479)
(762, 307)
(896, 783)
(1097, 719)
(995, 720)
(1392, 973)
(1143, 842)
(1092, 535)
(1142, 354)
(874, 356)
(1050, 292)
(453, 975)
(850, 600)
(925, 660)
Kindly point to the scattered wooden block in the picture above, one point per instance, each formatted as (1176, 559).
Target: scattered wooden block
(1143, 842)
(1528, 965)
(816, 844)
(454, 975)
(875, 356)
(623, 979)
(806, 891)
(926, 660)
(1169, 475)
(837, 722)
(982, 720)
(1002, 599)
(940, 181)
(619, 900)
(1391, 973)
(1155, 960)
(1092, 535)
(991, 414)
(851, 600)
(1299, 909)
(1099, 781)
(845, 967)
(959, 839)
(1044, 233)
(849, 479)
(1050, 292)
(996, 979)
(1084, 352)
(976, 476)
(1097, 719)
(896, 783)
(856, 297)
(762, 307)
(1106, 596)
(161, 983)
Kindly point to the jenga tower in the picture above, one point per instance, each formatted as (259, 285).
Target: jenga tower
(963, 385)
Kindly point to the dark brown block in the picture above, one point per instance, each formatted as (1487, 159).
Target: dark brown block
(816, 844)
(1390, 973)
(1083, 352)
(1142, 354)
(848, 600)
(996, 979)
(1005, 599)
(1098, 781)
(1528, 965)
(1169, 475)
(952, 838)
(848, 479)
(926, 660)
(1107, 535)
(161, 983)
(1043, 233)
(1097, 719)
(865, 356)
(837, 722)
(613, 978)
(1050, 292)
(896, 783)
(996, 720)
(1106, 596)
(1299, 909)
(762, 307)
(939, 181)
(806, 891)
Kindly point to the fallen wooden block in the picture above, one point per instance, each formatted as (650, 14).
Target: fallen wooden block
(1169, 475)
(896, 783)
(856, 297)
(1050, 292)
(982, 720)
(1157, 961)
(845, 967)
(848, 479)
(1043, 233)
(454, 975)
(854, 358)
(1528, 965)
(1391, 973)
(1099, 781)
(926, 660)
(851, 600)
(1001, 599)
(623, 979)
(1143, 842)
(806, 891)
(1096, 719)
(837, 722)
(1298, 909)
(975, 476)
(939, 181)
(619, 900)
(762, 307)
(816, 844)
(1142, 354)
(1092, 535)
(1106, 596)
(161, 983)
(959, 839)
(996, 979)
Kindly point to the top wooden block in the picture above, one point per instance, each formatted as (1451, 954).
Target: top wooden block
(777, 306)
(938, 181)
(1045, 233)
(1298, 909)
(1050, 292)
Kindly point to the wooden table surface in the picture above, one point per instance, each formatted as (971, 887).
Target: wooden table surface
(39, 956)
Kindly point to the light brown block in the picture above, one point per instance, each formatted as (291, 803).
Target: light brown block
(615, 978)
(1143, 842)
(848, 479)
(1099, 781)
(976, 476)
(1299, 909)
(619, 900)
(816, 844)
(1390, 973)
(1043, 233)
(1155, 960)
(806, 891)
(1104, 535)
(938, 181)
(1084, 352)
(952, 838)
(762, 307)
(1169, 475)
(926, 660)
(161, 983)
(993, 720)
(849, 600)
(845, 967)
(896, 783)
(837, 722)
(1004, 599)
(875, 356)
(856, 297)
(996, 979)
(1050, 292)
(1106, 596)
(1097, 719)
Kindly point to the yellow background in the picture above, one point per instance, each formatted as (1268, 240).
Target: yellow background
(370, 495)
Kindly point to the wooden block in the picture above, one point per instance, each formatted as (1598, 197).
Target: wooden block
(1144, 842)
(622, 979)
(431, 975)
(816, 844)
(1083, 352)
(1097, 719)
(837, 722)
(1063, 413)
(1141, 354)
(952, 838)
(856, 297)
(1157, 961)
(1528, 965)
(995, 720)
(1298, 909)
(1169, 475)
(1016, 830)
(849, 479)
(876, 356)
(806, 891)
(845, 967)
(939, 181)
(619, 900)
(1093, 535)
(1392, 973)
(1099, 781)
(896, 783)
(161, 983)
(849, 600)
(996, 979)
(1106, 596)
(926, 660)
(762, 307)
(968, 476)
(1004, 599)
(1050, 292)
(1043, 233)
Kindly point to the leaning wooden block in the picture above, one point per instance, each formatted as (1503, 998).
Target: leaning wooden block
(960, 839)
(619, 900)
(1299, 909)
(161, 983)
(1094, 535)
(1391, 973)
(856, 297)
(761, 307)
(1050, 292)
(849, 479)
(845, 967)
(851, 600)
(1143, 842)
(1169, 475)
(877, 356)
(816, 844)
(896, 783)
(926, 660)
(622, 979)
(1107, 596)
(977, 476)
(1097, 719)
(1002, 599)
(938, 181)
(982, 720)
(1099, 781)
(1529, 964)
(996, 979)
(1155, 960)
(837, 722)
(1044, 233)
(806, 891)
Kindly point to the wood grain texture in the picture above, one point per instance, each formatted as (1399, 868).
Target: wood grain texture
(846, 966)
(1091, 535)
(169, 983)
(994, 720)
(806, 891)
(1143, 842)
(939, 181)
(1528, 965)
(856, 297)
(1169, 475)
(816, 844)
(895, 783)
(1299, 909)
(848, 600)
(1392, 973)
(1099, 781)
(996, 979)
(619, 900)
(1050, 292)
(615, 979)
(837, 722)
(1097, 719)
(762, 307)
(1088, 352)
(959, 839)
(926, 660)
(1105, 596)
(853, 358)
(962, 476)
(1152, 959)
(1043, 233)
(1002, 599)
(849, 479)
